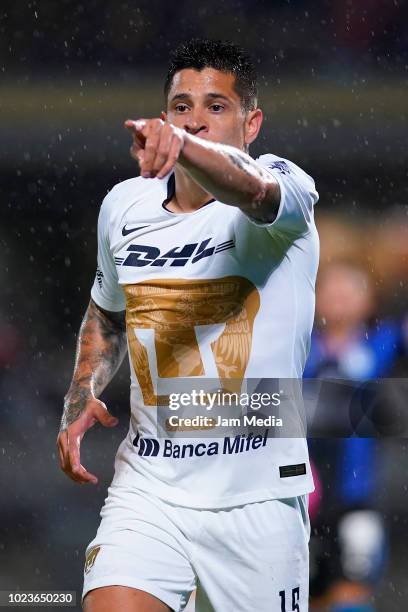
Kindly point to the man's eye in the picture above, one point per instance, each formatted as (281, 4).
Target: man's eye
(181, 108)
(216, 107)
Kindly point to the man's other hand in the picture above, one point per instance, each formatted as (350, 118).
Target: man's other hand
(69, 440)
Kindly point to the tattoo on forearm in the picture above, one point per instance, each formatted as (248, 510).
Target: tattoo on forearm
(257, 208)
(240, 162)
(100, 351)
(74, 407)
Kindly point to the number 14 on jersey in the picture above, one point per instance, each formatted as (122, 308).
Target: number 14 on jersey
(295, 600)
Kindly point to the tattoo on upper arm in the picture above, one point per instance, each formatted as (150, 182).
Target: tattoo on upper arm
(100, 351)
(115, 319)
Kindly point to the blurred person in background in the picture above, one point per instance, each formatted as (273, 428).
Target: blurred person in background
(349, 542)
(348, 341)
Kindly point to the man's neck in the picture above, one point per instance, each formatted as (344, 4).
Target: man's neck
(188, 195)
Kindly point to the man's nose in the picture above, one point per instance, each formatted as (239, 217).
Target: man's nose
(195, 124)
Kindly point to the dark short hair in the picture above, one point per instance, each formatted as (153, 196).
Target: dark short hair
(221, 55)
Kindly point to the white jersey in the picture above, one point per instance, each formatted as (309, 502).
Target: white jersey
(210, 294)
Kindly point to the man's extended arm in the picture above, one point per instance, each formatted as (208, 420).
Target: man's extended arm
(228, 174)
(101, 347)
(231, 176)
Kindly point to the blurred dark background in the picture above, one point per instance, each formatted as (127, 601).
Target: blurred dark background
(333, 85)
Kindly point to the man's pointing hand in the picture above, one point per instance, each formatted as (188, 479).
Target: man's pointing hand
(156, 145)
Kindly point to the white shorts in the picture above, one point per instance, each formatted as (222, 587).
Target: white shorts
(240, 559)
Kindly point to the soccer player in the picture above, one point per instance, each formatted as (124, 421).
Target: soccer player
(211, 257)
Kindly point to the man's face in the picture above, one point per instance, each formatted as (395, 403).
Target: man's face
(206, 104)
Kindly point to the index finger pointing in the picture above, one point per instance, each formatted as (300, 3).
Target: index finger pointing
(135, 128)
(137, 125)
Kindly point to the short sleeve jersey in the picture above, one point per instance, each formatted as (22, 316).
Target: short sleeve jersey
(209, 294)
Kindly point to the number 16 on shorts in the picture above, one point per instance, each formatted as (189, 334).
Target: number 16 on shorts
(295, 600)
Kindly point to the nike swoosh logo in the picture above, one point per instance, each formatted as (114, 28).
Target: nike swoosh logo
(125, 231)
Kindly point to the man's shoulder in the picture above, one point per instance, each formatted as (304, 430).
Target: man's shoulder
(128, 188)
(281, 165)
(133, 191)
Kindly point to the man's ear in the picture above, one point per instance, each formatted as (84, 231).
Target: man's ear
(253, 124)
(163, 116)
